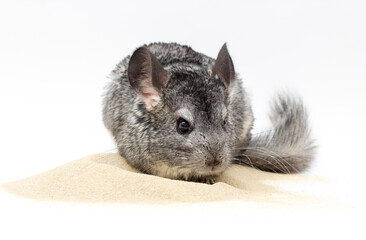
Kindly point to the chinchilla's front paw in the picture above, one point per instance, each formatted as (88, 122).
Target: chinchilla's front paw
(208, 180)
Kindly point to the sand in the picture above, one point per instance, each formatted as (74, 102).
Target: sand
(108, 178)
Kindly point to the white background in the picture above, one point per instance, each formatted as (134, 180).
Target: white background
(55, 57)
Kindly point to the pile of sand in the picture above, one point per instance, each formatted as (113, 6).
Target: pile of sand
(108, 178)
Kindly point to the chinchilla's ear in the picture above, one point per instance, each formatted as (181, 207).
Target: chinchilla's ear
(224, 67)
(147, 76)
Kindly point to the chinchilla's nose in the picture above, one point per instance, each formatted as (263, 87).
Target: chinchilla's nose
(213, 163)
(212, 160)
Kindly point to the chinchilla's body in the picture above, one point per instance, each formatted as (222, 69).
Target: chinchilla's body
(177, 113)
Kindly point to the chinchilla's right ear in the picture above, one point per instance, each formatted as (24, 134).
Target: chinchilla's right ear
(147, 76)
(224, 67)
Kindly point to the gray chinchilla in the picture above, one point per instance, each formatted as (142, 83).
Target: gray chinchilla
(180, 114)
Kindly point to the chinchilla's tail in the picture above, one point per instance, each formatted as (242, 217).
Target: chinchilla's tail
(288, 148)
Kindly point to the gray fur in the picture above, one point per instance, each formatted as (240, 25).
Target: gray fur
(287, 148)
(147, 137)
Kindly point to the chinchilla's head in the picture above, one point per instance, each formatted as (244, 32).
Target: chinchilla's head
(188, 130)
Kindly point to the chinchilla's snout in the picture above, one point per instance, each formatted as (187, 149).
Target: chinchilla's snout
(217, 157)
(213, 160)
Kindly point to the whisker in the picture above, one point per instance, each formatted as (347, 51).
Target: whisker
(265, 152)
(277, 158)
(250, 161)
(281, 159)
(263, 159)
(171, 148)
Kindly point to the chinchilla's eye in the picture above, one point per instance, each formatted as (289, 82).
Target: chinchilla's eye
(224, 123)
(183, 126)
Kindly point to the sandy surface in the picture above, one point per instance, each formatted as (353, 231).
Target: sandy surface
(102, 197)
(108, 178)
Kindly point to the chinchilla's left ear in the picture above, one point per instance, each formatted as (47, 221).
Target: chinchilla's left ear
(147, 76)
(224, 67)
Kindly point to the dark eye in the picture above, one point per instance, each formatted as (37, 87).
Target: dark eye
(183, 126)
(224, 123)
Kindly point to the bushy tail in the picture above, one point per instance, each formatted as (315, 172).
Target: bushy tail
(288, 148)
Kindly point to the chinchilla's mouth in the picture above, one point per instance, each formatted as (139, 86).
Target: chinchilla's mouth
(214, 170)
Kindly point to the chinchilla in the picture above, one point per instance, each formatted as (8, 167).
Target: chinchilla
(179, 114)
